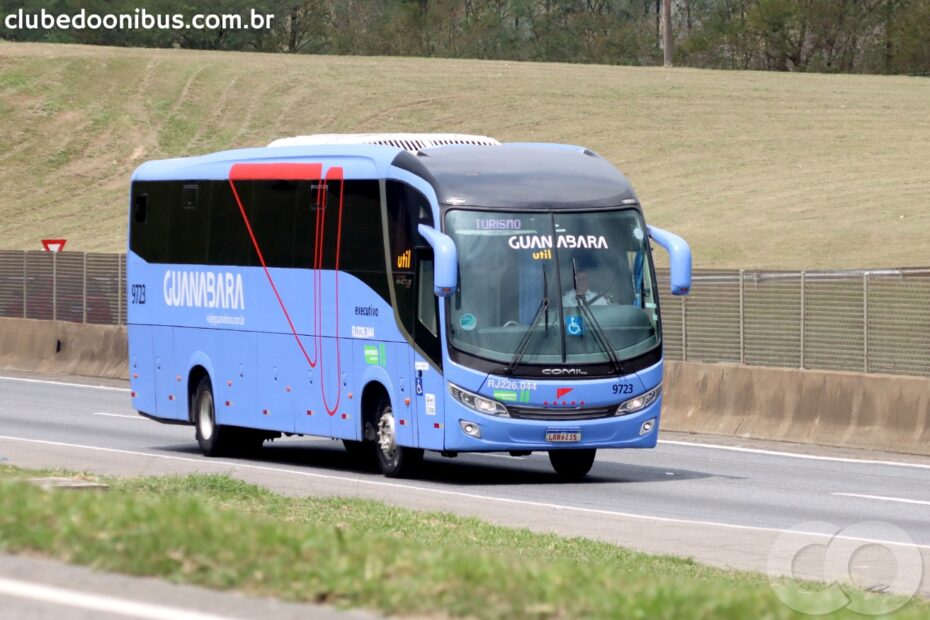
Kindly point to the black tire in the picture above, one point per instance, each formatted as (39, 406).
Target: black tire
(572, 464)
(395, 461)
(216, 439)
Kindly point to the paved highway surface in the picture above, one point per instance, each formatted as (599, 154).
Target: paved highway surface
(741, 504)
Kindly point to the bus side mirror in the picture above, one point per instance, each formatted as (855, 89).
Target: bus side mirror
(679, 257)
(445, 260)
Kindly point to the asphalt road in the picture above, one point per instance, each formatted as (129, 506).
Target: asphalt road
(740, 504)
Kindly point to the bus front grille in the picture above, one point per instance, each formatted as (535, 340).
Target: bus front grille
(588, 413)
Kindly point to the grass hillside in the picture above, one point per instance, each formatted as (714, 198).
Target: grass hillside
(756, 170)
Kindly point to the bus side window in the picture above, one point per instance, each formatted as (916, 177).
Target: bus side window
(229, 238)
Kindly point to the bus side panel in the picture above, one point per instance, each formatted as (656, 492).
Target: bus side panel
(345, 417)
(142, 368)
(274, 403)
(427, 394)
(170, 394)
(236, 382)
(400, 368)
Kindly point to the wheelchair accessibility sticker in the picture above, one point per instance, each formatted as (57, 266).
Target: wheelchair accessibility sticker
(574, 326)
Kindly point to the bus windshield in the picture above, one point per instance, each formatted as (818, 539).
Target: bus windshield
(552, 287)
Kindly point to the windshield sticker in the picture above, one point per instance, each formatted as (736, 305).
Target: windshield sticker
(542, 242)
(574, 326)
(421, 366)
(638, 233)
(498, 224)
(468, 321)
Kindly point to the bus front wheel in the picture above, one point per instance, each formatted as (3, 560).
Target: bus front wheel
(572, 464)
(395, 461)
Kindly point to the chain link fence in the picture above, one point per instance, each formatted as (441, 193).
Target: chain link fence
(863, 321)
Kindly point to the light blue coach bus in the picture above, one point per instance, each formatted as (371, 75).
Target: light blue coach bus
(401, 293)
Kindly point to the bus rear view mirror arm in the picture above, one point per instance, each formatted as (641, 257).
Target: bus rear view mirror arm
(679, 258)
(446, 261)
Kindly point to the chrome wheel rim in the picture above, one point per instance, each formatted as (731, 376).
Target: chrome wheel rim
(205, 417)
(387, 441)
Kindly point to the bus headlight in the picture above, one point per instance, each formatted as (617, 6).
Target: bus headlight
(640, 402)
(477, 403)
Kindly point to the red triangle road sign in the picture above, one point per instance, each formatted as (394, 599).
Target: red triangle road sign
(54, 245)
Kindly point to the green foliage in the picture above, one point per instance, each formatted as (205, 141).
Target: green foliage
(884, 36)
(223, 533)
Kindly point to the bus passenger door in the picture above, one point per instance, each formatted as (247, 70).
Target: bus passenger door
(427, 380)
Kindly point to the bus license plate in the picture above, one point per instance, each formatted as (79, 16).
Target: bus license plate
(562, 436)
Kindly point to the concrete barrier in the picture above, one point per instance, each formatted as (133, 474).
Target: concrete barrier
(854, 410)
(62, 347)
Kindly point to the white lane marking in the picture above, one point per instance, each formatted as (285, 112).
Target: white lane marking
(97, 602)
(80, 385)
(119, 415)
(810, 457)
(491, 498)
(885, 498)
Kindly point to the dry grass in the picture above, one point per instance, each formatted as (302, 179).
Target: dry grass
(755, 169)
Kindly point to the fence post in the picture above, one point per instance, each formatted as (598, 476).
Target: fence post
(684, 330)
(84, 291)
(54, 286)
(865, 321)
(803, 312)
(742, 321)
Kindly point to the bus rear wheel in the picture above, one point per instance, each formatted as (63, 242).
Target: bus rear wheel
(216, 439)
(572, 464)
(395, 461)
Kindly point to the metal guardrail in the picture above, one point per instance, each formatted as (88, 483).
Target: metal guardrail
(864, 321)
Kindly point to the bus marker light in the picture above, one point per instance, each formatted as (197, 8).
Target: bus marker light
(403, 422)
(229, 403)
(407, 401)
(179, 377)
(229, 383)
(133, 394)
(309, 412)
(350, 395)
(264, 412)
(437, 425)
(135, 375)
(287, 389)
(170, 396)
(345, 416)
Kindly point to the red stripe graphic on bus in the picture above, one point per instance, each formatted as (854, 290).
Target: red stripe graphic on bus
(301, 172)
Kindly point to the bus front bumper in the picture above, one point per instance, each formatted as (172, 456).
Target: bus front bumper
(502, 434)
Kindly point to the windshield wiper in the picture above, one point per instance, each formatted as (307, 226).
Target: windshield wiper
(543, 309)
(599, 334)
